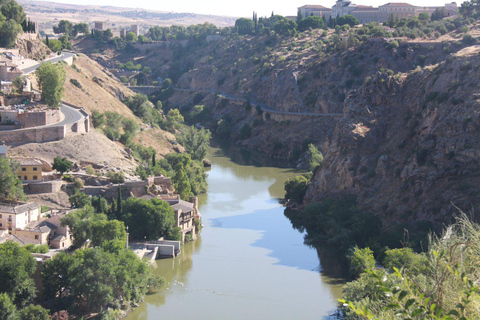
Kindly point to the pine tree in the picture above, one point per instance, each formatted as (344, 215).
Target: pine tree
(154, 161)
(47, 42)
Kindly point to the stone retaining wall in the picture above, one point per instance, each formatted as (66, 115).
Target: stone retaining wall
(34, 134)
(44, 187)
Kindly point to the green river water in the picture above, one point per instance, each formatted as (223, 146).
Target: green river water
(249, 263)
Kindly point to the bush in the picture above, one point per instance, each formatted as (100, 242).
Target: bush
(78, 183)
(76, 83)
(360, 260)
(116, 177)
(89, 170)
(295, 188)
(98, 118)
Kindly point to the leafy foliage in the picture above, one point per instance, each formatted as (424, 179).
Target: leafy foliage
(50, 78)
(148, 219)
(16, 267)
(61, 164)
(10, 185)
(94, 279)
(196, 142)
(295, 188)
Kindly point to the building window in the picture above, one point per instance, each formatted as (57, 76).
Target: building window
(36, 237)
(24, 169)
(35, 178)
(20, 177)
(25, 178)
(35, 168)
(0, 216)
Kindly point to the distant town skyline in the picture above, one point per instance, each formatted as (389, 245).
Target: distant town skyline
(243, 9)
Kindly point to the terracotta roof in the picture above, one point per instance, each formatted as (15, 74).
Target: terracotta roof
(40, 227)
(185, 206)
(19, 239)
(362, 6)
(397, 4)
(17, 208)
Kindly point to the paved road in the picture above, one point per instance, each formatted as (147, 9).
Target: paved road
(263, 106)
(63, 56)
(72, 115)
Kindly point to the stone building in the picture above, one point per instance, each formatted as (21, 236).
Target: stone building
(29, 169)
(48, 232)
(18, 215)
(100, 25)
(314, 10)
(135, 28)
(367, 14)
(186, 212)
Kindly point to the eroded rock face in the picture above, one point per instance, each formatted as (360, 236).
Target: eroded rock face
(408, 147)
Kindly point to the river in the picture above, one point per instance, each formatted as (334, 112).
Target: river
(249, 263)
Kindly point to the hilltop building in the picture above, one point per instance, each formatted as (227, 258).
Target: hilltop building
(367, 14)
(100, 25)
(135, 29)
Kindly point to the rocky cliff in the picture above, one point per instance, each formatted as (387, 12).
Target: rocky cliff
(407, 145)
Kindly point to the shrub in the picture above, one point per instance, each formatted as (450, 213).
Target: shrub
(116, 177)
(76, 83)
(360, 260)
(78, 183)
(98, 118)
(295, 188)
(89, 170)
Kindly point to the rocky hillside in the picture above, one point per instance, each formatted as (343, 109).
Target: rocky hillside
(399, 122)
(407, 144)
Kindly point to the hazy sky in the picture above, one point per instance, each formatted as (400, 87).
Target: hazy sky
(236, 8)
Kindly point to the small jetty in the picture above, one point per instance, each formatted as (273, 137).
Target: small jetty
(157, 249)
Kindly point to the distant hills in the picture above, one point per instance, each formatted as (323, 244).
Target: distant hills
(48, 14)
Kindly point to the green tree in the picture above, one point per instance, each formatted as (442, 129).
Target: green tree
(50, 78)
(91, 280)
(174, 119)
(314, 157)
(8, 310)
(62, 165)
(10, 185)
(9, 30)
(81, 224)
(423, 16)
(107, 35)
(16, 267)
(18, 84)
(295, 188)
(360, 260)
(104, 231)
(313, 22)
(196, 142)
(80, 28)
(131, 37)
(11, 10)
(182, 185)
(79, 200)
(34, 312)
(244, 26)
(64, 26)
(347, 19)
(148, 219)
(285, 27)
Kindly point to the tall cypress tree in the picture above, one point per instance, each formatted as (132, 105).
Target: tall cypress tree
(119, 203)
